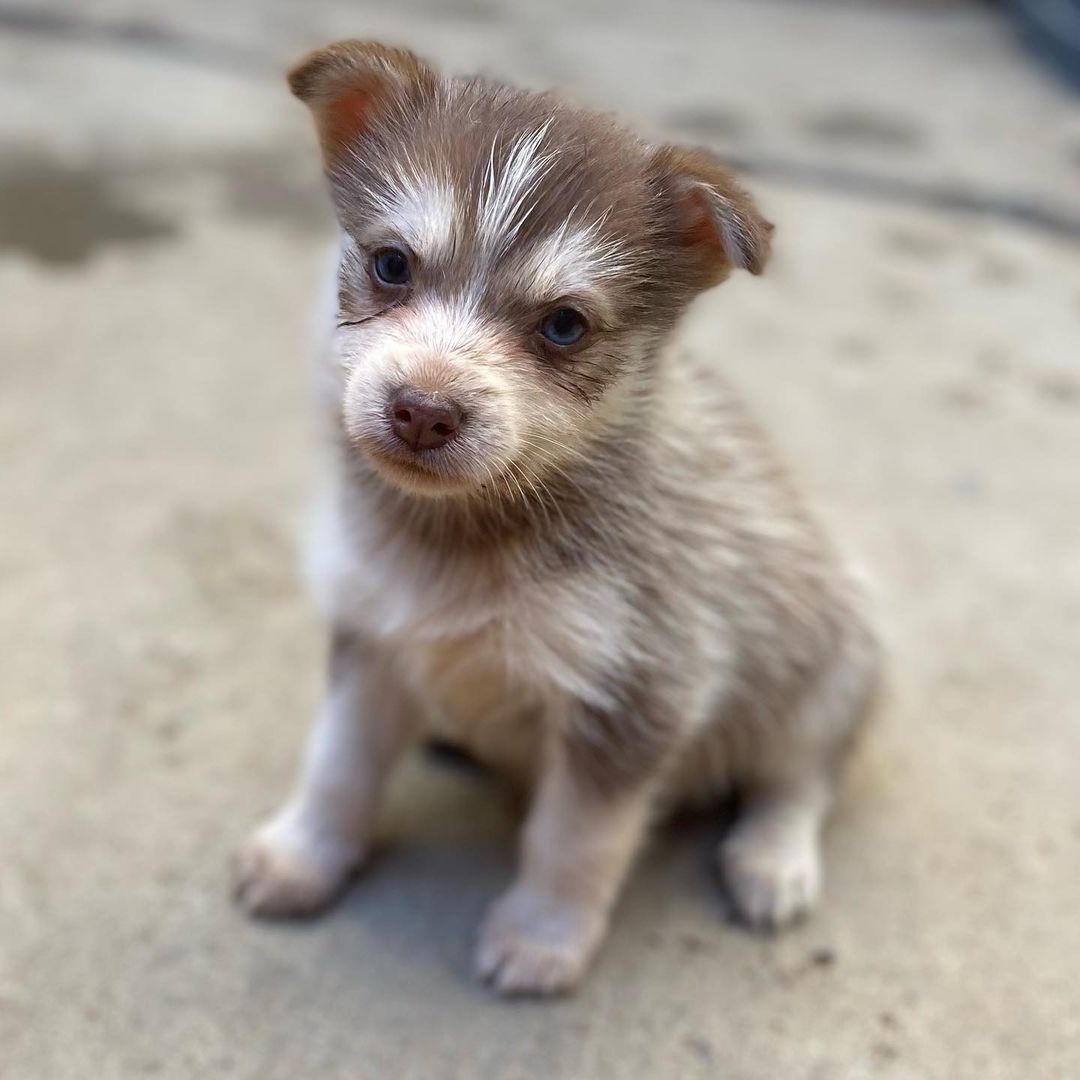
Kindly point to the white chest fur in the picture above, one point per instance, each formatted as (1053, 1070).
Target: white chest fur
(471, 637)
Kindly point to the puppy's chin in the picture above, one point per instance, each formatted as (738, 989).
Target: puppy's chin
(429, 474)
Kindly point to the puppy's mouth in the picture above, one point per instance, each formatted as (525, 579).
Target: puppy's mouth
(450, 468)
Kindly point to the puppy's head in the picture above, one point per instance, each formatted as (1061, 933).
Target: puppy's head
(509, 265)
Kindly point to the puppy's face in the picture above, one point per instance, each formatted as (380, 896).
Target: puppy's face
(509, 265)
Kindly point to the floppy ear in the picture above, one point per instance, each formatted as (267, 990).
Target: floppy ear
(711, 215)
(347, 83)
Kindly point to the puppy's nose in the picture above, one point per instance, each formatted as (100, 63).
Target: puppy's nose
(424, 421)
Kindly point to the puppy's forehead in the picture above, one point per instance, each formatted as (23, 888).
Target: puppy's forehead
(509, 187)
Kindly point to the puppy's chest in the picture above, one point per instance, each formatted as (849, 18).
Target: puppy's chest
(477, 640)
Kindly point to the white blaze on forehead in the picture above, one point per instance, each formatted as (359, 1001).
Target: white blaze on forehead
(503, 201)
(424, 211)
(573, 259)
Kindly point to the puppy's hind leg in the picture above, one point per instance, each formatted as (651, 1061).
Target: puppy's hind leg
(771, 858)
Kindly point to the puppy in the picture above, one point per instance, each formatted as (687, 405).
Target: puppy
(549, 537)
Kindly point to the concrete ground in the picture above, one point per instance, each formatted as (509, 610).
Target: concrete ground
(915, 350)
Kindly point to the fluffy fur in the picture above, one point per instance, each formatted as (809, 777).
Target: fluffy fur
(601, 584)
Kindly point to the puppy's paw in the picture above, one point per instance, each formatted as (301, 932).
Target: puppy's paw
(279, 874)
(772, 877)
(530, 944)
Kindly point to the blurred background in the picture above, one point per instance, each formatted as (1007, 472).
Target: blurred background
(915, 351)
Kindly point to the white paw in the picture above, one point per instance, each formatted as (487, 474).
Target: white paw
(534, 945)
(773, 877)
(280, 873)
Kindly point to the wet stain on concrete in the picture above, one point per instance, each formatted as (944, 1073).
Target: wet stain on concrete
(884, 1052)
(708, 123)
(1059, 387)
(993, 360)
(919, 244)
(460, 10)
(962, 397)
(896, 295)
(855, 349)
(61, 215)
(143, 35)
(273, 186)
(997, 269)
(857, 127)
(946, 196)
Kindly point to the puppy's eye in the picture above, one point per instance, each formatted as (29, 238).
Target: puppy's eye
(564, 327)
(391, 266)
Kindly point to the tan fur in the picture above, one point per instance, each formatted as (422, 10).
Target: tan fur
(602, 584)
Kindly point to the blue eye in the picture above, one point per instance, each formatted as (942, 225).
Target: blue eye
(392, 266)
(564, 327)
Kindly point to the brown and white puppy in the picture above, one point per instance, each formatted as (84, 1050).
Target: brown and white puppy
(548, 536)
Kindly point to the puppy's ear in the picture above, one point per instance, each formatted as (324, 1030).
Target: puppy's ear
(346, 84)
(711, 215)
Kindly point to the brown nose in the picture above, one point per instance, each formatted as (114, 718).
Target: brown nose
(423, 421)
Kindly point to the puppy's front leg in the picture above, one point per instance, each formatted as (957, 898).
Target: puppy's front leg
(582, 832)
(299, 860)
